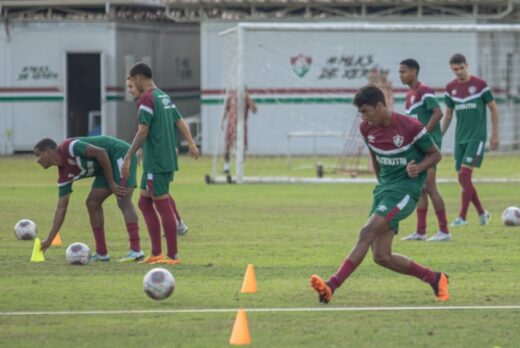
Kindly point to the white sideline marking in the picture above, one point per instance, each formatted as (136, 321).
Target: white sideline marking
(252, 310)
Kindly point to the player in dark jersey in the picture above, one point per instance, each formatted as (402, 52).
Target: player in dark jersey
(157, 136)
(100, 157)
(402, 151)
(421, 104)
(469, 96)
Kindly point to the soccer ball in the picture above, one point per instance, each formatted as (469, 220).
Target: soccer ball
(511, 216)
(158, 284)
(78, 254)
(25, 229)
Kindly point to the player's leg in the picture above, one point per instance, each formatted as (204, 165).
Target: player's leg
(383, 256)
(229, 140)
(443, 234)
(460, 150)
(151, 218)
(375, 226)
(94, 205)
(182, 228)
(421, 211)
(127, 207)
(162, 203)
(473, 156)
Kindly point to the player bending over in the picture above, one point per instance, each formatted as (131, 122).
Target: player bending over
(100, 157)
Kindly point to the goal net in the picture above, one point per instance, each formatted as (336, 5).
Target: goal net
(279, 107)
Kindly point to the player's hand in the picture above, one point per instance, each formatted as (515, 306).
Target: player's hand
(412, 169)
(194, 151)
(117, 190)
(125, 168)
(45, 244)
(493, 142)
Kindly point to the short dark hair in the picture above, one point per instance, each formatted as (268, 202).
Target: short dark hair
(45, 144)
(458, 58)
(140, 69)
(411, 64)
(369, 95)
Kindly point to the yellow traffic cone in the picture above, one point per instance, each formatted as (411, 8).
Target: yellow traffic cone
(249, 284)
(240, 335)
(56, 242)
(37, 253)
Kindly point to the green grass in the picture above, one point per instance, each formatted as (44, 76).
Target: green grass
(288, 232)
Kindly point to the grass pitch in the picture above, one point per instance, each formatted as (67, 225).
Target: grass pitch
(288, 232)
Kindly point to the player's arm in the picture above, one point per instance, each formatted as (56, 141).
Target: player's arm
(493, 142)
(435, 119)
(137, 143)
(374, 163)
(433, 156)
(447, 120)
(101, 156)
(183, 127)
(59, 217)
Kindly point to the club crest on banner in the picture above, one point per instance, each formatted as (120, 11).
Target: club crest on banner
(398, 140)
(301, 64)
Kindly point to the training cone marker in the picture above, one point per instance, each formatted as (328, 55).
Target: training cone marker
(249, 285)
(56, 242)
(37, 253)
(240, 334)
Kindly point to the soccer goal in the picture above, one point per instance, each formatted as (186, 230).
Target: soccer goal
(283, 111)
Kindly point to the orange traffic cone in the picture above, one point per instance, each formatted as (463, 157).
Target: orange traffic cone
(240, 335)
(56, 242)
(249, 284)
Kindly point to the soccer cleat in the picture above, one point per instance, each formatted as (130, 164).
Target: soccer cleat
(182, 229)
(415, 236)
(132, 256)
(166, 260)
(439, 237)
(324, 291)
(440, 287)
(458, 222)
(100, 258)
(485, 218)
(151, 259)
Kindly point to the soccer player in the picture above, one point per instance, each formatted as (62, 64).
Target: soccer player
(402, 151)
(468, 96)
(99, 157)
(231, 114)
(158, 122)
(421, 104)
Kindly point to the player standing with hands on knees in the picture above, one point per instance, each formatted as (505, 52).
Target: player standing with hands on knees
(156, 134)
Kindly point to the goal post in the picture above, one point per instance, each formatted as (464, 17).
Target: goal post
(302, 77)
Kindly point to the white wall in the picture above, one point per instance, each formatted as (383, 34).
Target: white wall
(267, 57)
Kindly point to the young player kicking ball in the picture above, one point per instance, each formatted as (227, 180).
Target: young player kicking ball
(402, 151)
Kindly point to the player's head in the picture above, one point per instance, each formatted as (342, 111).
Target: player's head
(459, 66)
(139, 76)
(45, 152)
(409, 70)
(371, 104)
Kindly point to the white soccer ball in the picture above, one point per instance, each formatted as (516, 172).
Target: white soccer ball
(158, 284)
(511, 216)
(25, 229)
(78, 254)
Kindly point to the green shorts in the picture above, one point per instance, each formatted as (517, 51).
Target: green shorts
(157, 184)
(469, 154)
(100, 182)
(393, 206)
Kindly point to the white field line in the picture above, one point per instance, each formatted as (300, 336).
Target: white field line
(258, 310)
